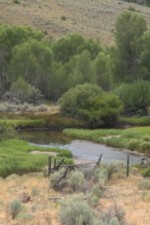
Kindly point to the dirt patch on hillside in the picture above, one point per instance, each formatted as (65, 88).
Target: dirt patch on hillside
(92, 18)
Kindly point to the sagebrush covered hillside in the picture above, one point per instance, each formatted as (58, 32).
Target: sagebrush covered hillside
(93, 18)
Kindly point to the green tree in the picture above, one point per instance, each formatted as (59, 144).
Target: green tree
(10, 36)
(135, 97)
(144, 71)
(57, 81)
(32, 61)
(102, 70)
(80, 70)
(66, 47)
(92, 46)
(129, 30)
(74, 44)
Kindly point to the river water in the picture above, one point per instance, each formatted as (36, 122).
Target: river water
(81, 149)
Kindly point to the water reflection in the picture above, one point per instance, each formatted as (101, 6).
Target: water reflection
(80, 149)
(43, 137)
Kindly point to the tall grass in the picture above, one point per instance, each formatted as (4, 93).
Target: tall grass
(53, 121)
(15, 157)
(136, 138)
(136, 121)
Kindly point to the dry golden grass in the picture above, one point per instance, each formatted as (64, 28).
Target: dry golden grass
(125, 192)
(92, 18)
(41, 211)
(38, 211)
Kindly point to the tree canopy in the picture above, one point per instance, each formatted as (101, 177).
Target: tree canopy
(53, 67)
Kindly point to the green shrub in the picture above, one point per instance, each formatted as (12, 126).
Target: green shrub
(87, 102)
(76, 211)
(146, 172)
(97, 191)
(115, 215)
(66, 154)
(77, 98)
(63, 18)
(94, 196)
(25, 92)
(144, 184)
(14, 208)
(34, 192)
(16, 1)
(100, 175)
(92, 199)
(75, 181)
(56, 180)
(115, 167)
(135, 97)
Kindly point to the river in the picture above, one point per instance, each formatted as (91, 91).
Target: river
(81, 149)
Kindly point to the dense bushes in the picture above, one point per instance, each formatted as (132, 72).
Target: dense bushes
(82, 208)
(135, 97)
(77, 212)
(25, 92)
(88, 103)
(73, 182)
(76, 99)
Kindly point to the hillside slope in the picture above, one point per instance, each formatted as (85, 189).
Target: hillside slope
(92, 18)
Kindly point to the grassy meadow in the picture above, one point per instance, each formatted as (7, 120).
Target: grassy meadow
(135, 138)
(16, 157)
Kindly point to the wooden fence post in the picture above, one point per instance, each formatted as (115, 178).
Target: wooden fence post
(49, 165)
(55, 164)
(98, 162)
(128, 164)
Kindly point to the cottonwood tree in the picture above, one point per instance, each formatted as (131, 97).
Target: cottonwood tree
(11, 36)
(129, 30)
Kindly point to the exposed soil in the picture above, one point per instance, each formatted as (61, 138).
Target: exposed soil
(92, 18)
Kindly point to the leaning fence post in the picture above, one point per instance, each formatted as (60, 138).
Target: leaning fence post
(49, 165)
(128, 164)
(98, 162)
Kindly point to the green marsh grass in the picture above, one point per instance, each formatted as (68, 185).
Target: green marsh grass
(44, 120)
(136, 121)
(15, 157)
(135, 138)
